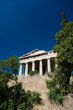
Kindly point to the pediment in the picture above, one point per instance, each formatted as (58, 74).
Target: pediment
(33, 53)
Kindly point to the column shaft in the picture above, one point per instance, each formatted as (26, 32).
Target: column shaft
(40, 68)
(48, 66)
(33, 66)
(20, 70)
(26, 69)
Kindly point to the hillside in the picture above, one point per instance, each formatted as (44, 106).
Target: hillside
(37, 83)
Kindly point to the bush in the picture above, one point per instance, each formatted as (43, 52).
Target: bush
(32, 73)
(50, 75)
(55, 95)
(15, 97)
(23, 106)
(50, 83)
(31, 98)
(36, 98)
(56, 90)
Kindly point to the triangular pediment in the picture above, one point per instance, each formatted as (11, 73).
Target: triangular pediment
(33, 53)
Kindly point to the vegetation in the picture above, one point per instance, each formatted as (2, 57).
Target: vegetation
(14, 97)
(10, 65)
(32, 73)
(59, 83)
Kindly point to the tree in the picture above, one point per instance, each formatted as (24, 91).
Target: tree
(10, 65)
(14, 63)
(59, 83)
(65, 50)
(14, 97)
(64, 19)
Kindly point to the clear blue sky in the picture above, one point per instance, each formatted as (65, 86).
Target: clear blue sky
(29, 24)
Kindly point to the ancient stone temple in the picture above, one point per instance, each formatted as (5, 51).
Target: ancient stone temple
(40, 60)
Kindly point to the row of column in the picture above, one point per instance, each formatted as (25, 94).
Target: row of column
(33, 67)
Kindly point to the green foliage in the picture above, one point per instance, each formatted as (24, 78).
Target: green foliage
(36, 98)
(3, 91)
(32, 73)
(50, 83)
(15, 97)
(65, 50)
(5, 77)
(23, 106)
(49, 75)
(13, 63)
(60, 81)
(65, 43)
(9, 65)
(55, 95)
(64, 19)
(15, 78)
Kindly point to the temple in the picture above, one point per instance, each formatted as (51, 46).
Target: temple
(37, 60)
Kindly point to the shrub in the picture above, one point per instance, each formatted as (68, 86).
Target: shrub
(32, 73)
(55, 95)
(25, 106)
(36, 98)
(49, 75)
(15, 97)
(31, 98)
(50, 83)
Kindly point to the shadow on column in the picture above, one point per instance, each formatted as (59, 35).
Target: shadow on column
(37, 66)
(44, 67)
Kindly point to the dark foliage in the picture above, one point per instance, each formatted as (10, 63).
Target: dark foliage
(59, 83)
(14, 97)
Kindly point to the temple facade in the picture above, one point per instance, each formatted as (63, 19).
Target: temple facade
(37, 60)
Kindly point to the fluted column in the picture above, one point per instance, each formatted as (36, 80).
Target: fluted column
(26, 69)
(48, 65)
(33, 66)
(40, 68)
(20, 70)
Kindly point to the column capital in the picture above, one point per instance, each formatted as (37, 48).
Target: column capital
(26, 62)
(40, 60)
(48, 58)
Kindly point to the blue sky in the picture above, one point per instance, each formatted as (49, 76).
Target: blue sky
(29, 24)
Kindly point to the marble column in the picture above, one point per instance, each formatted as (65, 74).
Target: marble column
(33, 66)
(48, 66)
(20, 70)
(26, 69)
(40, 68)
